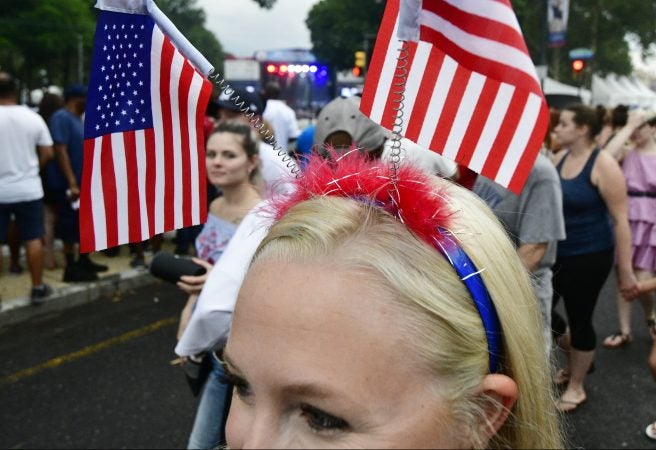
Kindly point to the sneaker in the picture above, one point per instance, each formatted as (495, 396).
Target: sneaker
(39, 294)
(15, 269)
(74, 273)
(91, 266)
(138, 262)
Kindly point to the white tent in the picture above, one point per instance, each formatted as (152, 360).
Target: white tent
(613, 90)
(553, 87)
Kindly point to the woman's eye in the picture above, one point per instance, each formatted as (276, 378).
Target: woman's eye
(321, 421)
(210, 154)
(242, 388)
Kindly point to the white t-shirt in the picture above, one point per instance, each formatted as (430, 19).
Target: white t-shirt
(209, 324)
(283, 120)
(21, 131)
(430, 161)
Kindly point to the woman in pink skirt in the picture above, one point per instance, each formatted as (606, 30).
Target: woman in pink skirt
(639, 167)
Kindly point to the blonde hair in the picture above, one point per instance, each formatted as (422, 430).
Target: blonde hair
(443, 326)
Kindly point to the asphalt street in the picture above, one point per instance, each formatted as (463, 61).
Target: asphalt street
(100, 376)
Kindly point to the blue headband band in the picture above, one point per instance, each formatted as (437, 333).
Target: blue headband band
(472, 279)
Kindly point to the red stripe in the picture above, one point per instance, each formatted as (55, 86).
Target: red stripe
(378, 57)
(484, 66)
(151, 175)
(109, 190)
(505, 134)
(478, 25)
(183, 98)
(205, 93)
(134, 211)
(167, 129)
(426, 87)
(451, 106)
(87, 235)
(527, 160)
(477, 121)
(395, 93)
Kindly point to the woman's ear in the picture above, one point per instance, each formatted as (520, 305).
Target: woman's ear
(502, 392)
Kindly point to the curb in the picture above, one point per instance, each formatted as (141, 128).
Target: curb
(20, 309)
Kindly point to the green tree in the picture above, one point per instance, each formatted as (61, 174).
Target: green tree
(601, 25)
(338, 28)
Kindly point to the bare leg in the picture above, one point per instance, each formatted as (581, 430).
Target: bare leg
(579, 364)
(49, 237)
(646, 299)
(34, 252)
(13, 239)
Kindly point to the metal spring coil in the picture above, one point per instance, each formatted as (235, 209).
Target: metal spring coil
(400, 79)
(256, 123)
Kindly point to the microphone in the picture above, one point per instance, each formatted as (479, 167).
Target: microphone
(170, 267)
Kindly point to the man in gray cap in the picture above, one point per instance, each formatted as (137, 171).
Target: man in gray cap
(342, 124)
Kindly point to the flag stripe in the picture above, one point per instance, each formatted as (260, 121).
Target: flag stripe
(380, 54)
(107, 178)
(495, 60)
(185, 180)
(436, 104)
(506, 132)
(395, 95)
(88, 239)
(141, 166)
(386, 80)
(429, 78)
(159, 174)
(120, 185)
(176, 131)
(451, 105)
(168, 152)
(153, 195)
(199, 210)
(479, 24)
(415, 76)
(474, 127)
(132, 181)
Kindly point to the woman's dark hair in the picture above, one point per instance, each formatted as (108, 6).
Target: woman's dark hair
(49, 104)
(249, 138)
(619, 116)
(590, 117)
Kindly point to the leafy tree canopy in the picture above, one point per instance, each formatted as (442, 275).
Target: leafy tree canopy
(338, 28)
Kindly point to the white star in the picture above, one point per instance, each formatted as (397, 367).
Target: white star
(128, 84)
(129, 45)
(117, 36)
(137, 111)
(143, 119)
(142, 101)
(122, 94)
(102, 69)
(114, 27)
(109, 57)
(134, 74)
(105, 26)
(102, 116)
(105, 97)
(116, 103)
(112, 66)
(140, 45)
(118, 84)
(129, 102)
(125, 36)
(123, 27)
(135, 92)
(113, 47)
(109, 37)
(117, 56)
(129, 65)
(106, 124)
(132, 27)
(111, 114)
(124, 112)
(123, 74)
(104, 48)
(118, 122)
(98, 108)
(140, 83)
(131, 121)
(100, 87)
(142, 27)
(97, 127)
(134, 55)
(140, 64)
(106, 77)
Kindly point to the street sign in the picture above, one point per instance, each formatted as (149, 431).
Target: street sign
(581, 53)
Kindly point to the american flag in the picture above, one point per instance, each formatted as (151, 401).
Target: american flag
(144, 153)
(472, 92)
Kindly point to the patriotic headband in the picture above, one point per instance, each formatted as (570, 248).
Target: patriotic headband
(413, 199)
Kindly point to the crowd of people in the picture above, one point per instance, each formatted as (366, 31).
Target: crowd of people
(365, 296)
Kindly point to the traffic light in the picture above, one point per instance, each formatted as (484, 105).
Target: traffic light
(578, 65)
(360, 59)
(356, 71)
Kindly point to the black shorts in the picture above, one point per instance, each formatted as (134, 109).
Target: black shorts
(29, 219)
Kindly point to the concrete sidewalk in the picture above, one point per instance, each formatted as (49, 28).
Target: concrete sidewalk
(15, 290)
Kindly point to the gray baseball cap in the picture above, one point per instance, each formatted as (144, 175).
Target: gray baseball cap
(343, 115)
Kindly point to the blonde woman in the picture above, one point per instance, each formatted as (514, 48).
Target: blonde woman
(385, 333)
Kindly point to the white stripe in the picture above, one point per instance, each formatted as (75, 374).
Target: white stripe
(121, 179)
(98, 198)
(517, 146)
(174, 87)
(192, 105)
(482, 47)
(436, 104)
(156, 59)
(492, 126)
(384, 88)
(488, 9)
(140, 141)
(414, 80)
(464, 114)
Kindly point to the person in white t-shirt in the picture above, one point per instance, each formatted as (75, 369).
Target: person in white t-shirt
(281, 117)
(25, 145)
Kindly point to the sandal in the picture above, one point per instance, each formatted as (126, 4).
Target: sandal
(617, 340)
(650, 431)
